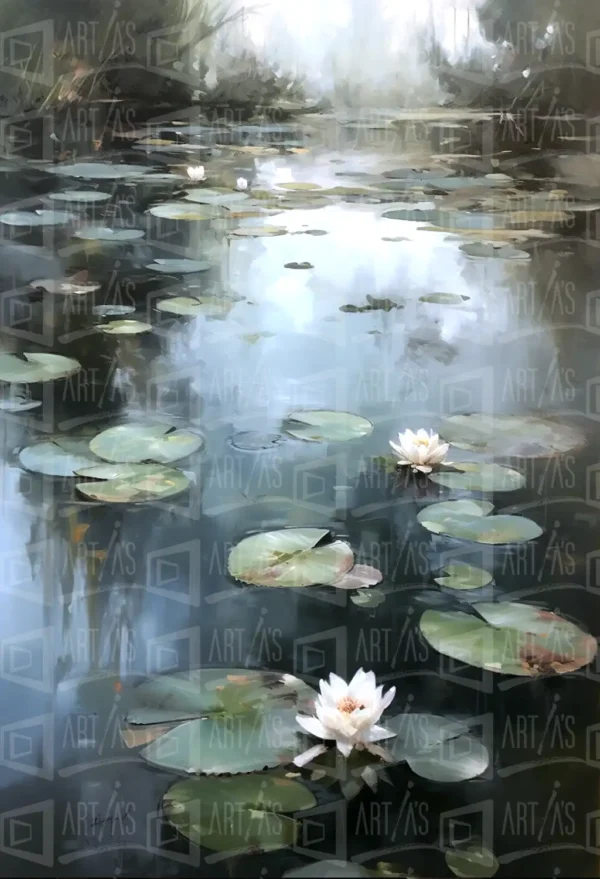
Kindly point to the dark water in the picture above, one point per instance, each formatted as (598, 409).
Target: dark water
(97, 597)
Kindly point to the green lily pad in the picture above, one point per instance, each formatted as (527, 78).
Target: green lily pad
(216, 691)
(480, 477)
(478, 528)
(215, 197)
(459, 575)
(97, 170)
(304, 203)
(299, 187)
(234, 744)
(426, 214)
(368, 598)
(253, 441)
(131, 483)
(61, 456)
(192, 306)
(80, 196)
(490, 250)
(181, 210)
(135, 443)
(418, 733)
(37, 218)
(438, 517)
(452, 761)
(259, 231)
(472, 860)
(125, 328)
(444, 298)
(298, 265)
(519, 639)
(241, 815)
(179, 266)
(105, 233)
(323, 425)
(330, 870)
(290, 557)
(36, 367)
(524, 436)
(14, 400)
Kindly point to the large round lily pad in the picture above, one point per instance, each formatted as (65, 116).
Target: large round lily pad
(181, 210)
(525, 436)
(61, 456)
(519, 639)
(215, 691)
(36, 367)
(472, 860)
(259, 231)
(131, 483)
(323, 425)
(331, 870)
(98, 170)
(296, 186)
(216, 197)
(459, 575)
(135, 443)
(192, 306)
(105, 233)
(37, 218)
(451, 761)
(418, 733)
(241, 815)
(469, 520)
(444, 299)
(232, 744)
(80, 196)
(291, 557)
(480, 477)
(179, 266)
(125, 328)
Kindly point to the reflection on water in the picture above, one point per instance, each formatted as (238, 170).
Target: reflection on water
(96, 597)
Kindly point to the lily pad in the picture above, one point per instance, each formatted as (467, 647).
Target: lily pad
(104, 233)
(292, 557)
(427, 213)
(253, 441)
(15, 400)
(453, 519)
(491, 250)
(472, 860)
(323, 425)
(66, 287)
(524, 436)
(214, 197)
(135, 443)
(519, 639)
(131, 483)
(298, 265)
(36, 367)
(234, 744)
(418, 733)
(125, 327)
(80, 196)
(112, 310)
(98, 170)
(460, 575)
(330, 870)
(37, 218)
(179, 266)
(480, 477)
(181, 210)
(452, 761)
(215, 691)
(259, 231)
(444, 298)
(359, 577)
(241, 815)
(299, 186)
(437, 517)
(62, 456)
(368, 598)
(192, 306)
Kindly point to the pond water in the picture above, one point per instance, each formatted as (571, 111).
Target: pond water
(335, 314)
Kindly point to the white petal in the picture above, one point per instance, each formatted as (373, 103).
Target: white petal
(378, 733)
(397, 449)
(327, 693)
(338, 686)
(388, 697)
(344, 747)
(312, 726)
(307, 756)
(369, 776)
(422, 434)
(423, 468)
(380, 752)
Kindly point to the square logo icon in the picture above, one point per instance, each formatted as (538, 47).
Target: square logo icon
(592, 833)
(28, 833)
(174, 651)
(28, 660)
(471, 391)
(17, 575)
(163, 840)
(323, 833)
(27, 52)
(592, 398)
(23, 131)
(451, 669)
(22, 319)
(28, 746)
(592, 497)
(592, 50)
(458, 827)
(316, 655)
(174, 572)
(592, 312)
(167, 55)
(592, 745)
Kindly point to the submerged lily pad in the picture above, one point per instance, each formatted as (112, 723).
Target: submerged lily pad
(323, 425)
(131, 483)
(241, 815)
(469, 520)
(98, 170)
(36, 367)
(125, 327)
(418, 733)
(80, 196)
(460, 575)
(444, 298)
(491, 250)
(179, 266)
(232, 744)
(519, 639)
(452, 761)
(290, 557)
(525, 436)
(252, 441)
(37, 218)
(192, 306)
(181, 210)
(105, 233)
(480, 477)
(472, 860)
(135, 443)
(62, 456)
(215, 691)
(259, 231)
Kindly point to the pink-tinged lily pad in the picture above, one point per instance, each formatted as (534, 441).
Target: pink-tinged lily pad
(359, 577)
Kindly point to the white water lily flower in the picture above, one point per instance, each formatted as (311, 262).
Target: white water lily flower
(348, 715)
(196, 173)
(241, 184)
(421, 450)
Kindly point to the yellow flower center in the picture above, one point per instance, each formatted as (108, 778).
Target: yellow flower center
(348, 705)
(422, 442)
